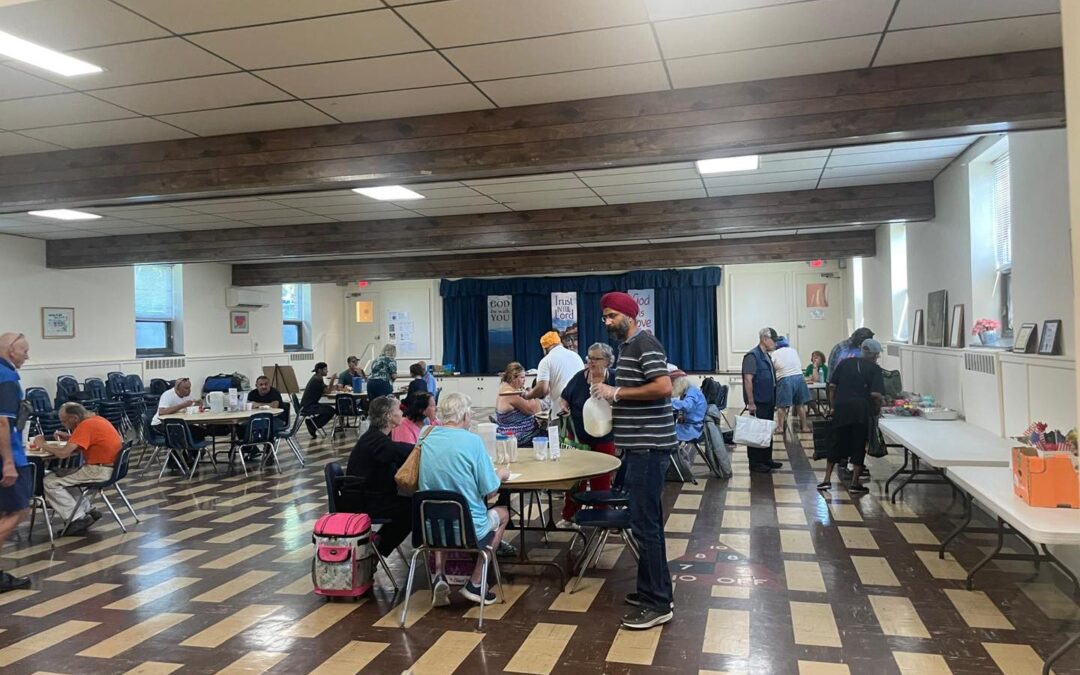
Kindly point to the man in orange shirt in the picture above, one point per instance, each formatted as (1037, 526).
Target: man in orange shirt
(100, 444)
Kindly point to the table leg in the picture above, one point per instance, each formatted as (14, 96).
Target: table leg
(989, 556)
(1058, 564)
(907, 456)
(1059, 652)
(960, 528)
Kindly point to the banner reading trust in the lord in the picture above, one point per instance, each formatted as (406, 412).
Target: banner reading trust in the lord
(564, 316)
(647, 315)
(500, 311)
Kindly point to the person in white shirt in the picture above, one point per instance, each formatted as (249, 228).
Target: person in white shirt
(555, 370)
(791, 389)
(173, 401)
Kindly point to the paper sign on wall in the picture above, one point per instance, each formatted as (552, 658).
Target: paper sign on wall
(500, 317)
(817, 295)
(645, 298)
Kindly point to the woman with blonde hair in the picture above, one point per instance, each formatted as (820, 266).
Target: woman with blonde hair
(383, 373)
(514, 415)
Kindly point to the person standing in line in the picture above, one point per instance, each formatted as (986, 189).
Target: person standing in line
(759, 394)
(856, 391)
(849, 348)
(644, 428)
(383, 373)
(791, 390)
(555, 369)
(15, 483)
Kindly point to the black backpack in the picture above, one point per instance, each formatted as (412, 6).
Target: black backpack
(715, 393)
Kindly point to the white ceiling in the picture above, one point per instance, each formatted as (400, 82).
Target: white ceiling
(814, 169)
(182, 68)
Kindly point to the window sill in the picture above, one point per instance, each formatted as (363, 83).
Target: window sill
(157, 355)
(296, 349)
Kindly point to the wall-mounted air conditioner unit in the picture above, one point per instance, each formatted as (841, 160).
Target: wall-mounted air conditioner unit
(245, 297)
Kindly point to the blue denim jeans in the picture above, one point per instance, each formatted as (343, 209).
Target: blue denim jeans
(645, 473)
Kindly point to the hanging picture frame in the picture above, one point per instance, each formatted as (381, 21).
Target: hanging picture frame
(1050, 343)
(956, 327)
(239, 321)
(917, 337)
(1025, 340)
(57, 323)
(937, 304)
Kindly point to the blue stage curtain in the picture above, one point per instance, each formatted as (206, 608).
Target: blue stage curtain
(685, 314)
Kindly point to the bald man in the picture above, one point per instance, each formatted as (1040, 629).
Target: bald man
(15, 483)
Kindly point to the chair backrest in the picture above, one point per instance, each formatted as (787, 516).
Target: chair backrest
(346, 406)
(714, 392)
(39, 399)
(332, 472)
(178, 435)
(295, 403)
(112, 411)
(120, 466)
(441, 519)
(148, 433)
(67, 389)
(134, 384)
(115, 384)
(94, 388)
(259, 428)
(159, 386)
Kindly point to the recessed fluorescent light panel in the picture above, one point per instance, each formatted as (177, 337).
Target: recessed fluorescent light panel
(43, 57)
(65, 214)
(726, 164)
(389, 193)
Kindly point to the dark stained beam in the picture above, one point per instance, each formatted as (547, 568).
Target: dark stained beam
(558, 261)
(585, 225)
(1003, 92)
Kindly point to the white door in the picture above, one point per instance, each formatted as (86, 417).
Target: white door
(365, 339)
(757, 298)
(819, 300)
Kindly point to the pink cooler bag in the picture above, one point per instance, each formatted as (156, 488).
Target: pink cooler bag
(344, 561)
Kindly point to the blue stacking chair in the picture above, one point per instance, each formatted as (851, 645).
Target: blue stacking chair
(179, 440)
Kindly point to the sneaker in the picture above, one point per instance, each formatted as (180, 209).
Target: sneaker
(441, 592)
(94, 514)
(824, 485)
(635, 600)
(506, 550)
(78, 526)
(645, 617)
(472, 592)
(567, 525)
(775, 465)
(9, 582)
(858, 489)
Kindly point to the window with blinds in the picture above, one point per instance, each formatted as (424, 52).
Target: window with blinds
(155, 310)
(1002, 214)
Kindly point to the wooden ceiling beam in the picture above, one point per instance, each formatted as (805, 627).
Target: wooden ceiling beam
(625, 223)
(565, 260)
(1003, 92)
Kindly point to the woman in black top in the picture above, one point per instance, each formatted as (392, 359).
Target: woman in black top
(369, 485)
(855, 392)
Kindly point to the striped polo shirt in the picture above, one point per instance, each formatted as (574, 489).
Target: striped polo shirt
(642, 424)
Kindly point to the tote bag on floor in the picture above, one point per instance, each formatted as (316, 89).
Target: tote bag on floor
(753, 432)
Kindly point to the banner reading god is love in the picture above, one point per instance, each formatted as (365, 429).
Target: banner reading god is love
(645, 299)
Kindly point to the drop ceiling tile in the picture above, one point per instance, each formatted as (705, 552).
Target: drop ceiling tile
(138, 212)
(355, 205)
(772, 26)
(465, 22)
(546, 196)
(513, 179)
(224, 225)
(557, 53)
(970, 39)
(919, 13)
(17, 84)
(875, 179)
(287, 196)
(14, 144)
(382, 215)
(191, 16)
(449, 202)
(633, 79)
(249, 118)
(265, 212)
(758, 188)
(641, 188)
(73, 24)
(133, 229)
(632, 197)
(306, 219)
(226, 207)
(180, 221)
(770, 165)
(535, 184)
(933, 166)
(662, 10)
(770, 62)
(26, 113)
(637, 169)
(114, 132)
(407, 103)
(530, 205)
(332, 38)
(67, 234)
(801, 154)
(754, 178)
(961, 141)
(661, 176)
(440, 191)
(940, 152)
(197, 93)
(461, 210)
(385, 73)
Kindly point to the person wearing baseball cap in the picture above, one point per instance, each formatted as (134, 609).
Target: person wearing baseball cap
(318, 413)
(555, 369)
(644, 427)
(856, 392)
(759, 394)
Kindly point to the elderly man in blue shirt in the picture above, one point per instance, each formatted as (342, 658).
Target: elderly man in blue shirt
(689, 405)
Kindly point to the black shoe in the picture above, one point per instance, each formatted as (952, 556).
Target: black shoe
(94, 514)
(824, 485)
(761, 468)
(775, 465)
(858, 489)
(635, 600)
(10, 582)
(78, 526)
(506, 550)
(645, 617)
(312, 429)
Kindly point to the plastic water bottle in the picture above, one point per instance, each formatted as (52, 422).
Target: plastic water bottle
(554, 452)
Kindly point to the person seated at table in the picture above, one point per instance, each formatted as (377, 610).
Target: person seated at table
(598, 368)
(318, 413)
(514, 415)
(418, 383)
(353, 375)
(791, 390)
(454, 459)
(173, 401)
(419, 412)
(98, 441)
(265, 397)
(856, 392)
(383, 373)
(817, 371)
(375, 459)
(689, 405)
(432, 385)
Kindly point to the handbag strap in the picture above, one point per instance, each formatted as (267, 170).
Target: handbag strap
(423, 435)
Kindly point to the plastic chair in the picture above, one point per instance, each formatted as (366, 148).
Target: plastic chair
(258, 434)
(67, 389)
(114, 412)
(37, 501)
(151, 439)
(179, 440)
(336, 481)
(94, 389)
(288, 434)
(119, 472)
(602, 522)
(442, 522)
(345, 407)
(301, 415)
(43, 419)
(115, 385)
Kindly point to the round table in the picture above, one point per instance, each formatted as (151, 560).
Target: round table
(208, 417)
(573, 467)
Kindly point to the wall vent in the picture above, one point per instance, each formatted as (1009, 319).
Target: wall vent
(162, 364)
(302, 356)
(979, 363)
(892, 350)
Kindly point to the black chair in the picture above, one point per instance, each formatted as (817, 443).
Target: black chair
(336, 481)
(258, 434)
(94, 389)
(159, 386)
(151, 439)
(602, 522)
(37, 501)
(115, 412)
(119, 472)
(301, 416)
(180, 441)
(115, 385)
(348, 414)
(67, 389)
(43, 419)
(442, 522)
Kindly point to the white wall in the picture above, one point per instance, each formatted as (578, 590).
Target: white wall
(206, 316)
(877, 287)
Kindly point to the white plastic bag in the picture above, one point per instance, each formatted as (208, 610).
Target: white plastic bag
(753, 432)
(597, 415)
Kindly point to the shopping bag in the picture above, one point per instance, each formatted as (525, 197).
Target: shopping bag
(753, 432)
(876, 445)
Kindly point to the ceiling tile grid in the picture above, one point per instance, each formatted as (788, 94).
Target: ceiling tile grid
(205, 67)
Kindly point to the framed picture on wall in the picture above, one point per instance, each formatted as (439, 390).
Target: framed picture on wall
(956, 328)
(936, 308)
(917, 337)
(1050, 344)
(1024, 342)
(239, 322)
(57, 323)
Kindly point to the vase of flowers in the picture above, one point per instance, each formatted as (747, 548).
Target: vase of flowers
(987, 331)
